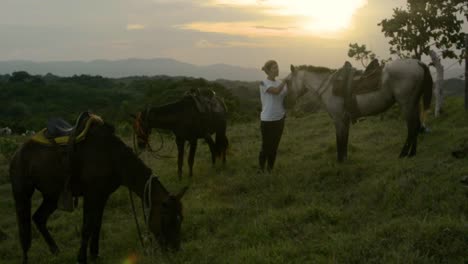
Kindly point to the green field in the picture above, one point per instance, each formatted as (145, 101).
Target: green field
(374, 208)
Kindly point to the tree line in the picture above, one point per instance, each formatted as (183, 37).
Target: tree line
(27, 101)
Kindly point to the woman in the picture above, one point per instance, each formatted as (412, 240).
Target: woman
(272, 93)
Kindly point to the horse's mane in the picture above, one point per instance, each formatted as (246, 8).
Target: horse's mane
(316, 69)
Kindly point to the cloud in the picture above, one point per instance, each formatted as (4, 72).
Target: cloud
(251, 44)
(169, 1)
(135, 27)
(249, 29)
(203, 44)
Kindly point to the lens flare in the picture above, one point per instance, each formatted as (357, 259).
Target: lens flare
(132, 259)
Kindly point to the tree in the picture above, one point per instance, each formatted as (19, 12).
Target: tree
(19, 76)
(425, 23)
(360, 53)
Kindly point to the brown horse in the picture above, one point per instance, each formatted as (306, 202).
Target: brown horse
(188, 123)
(100, 164)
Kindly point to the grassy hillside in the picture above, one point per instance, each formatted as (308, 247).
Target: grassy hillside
(374, 208)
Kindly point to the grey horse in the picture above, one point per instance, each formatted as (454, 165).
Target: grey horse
(403, 81)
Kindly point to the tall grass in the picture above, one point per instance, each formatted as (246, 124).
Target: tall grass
(374, 208)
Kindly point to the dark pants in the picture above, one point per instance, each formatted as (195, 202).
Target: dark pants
(271, 136)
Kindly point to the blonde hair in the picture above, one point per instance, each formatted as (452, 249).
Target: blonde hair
(266, 67)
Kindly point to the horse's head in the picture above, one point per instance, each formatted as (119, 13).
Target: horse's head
(165, 222)
(142, 129)
(296, 85)
(307, 77)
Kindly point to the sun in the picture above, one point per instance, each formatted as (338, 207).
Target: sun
(318, 16)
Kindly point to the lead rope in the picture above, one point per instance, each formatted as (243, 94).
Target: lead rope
(145, 204)
(147, 193)
(140, 236)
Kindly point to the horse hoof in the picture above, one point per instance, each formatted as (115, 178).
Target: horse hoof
(458, 154)
(94, 258)
(464, 180)
(3, 236)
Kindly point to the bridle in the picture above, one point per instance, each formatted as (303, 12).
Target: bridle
(139, 128)
(322, 87)
(141, 131)
(147, 204)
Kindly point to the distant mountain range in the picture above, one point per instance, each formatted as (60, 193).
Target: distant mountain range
(133, 67)
(148, 67)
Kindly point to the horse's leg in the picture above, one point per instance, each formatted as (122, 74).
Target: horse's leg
(211, 144)
(406, 146)
(342, 134)
(223, 147)
(223, 156)
(180, 155)
(191, 158)
(23, 213)
(345, 136)
(92, 209)
(222, 141)
(94, 244)
(48, 206)
(413, 124)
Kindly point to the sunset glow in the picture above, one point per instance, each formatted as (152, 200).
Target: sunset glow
(294, 17)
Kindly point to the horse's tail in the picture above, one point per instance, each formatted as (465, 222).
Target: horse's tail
(221, 141)
(426, 86)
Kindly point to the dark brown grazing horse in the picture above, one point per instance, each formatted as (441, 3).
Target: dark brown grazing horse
(101, 163)
(188, 123)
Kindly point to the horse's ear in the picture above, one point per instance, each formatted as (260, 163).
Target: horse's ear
(293, 69)
(181, 193)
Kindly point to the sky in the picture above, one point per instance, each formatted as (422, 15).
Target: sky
(237, 32)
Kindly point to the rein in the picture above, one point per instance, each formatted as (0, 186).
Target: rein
(319, 91)
(147, 191)
(146, 205)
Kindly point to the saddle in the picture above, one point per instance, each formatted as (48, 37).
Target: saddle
(348, 83)
(207, 101)
(360, 82)
(60, 132)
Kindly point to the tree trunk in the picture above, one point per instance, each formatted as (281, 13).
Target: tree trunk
(439, 98)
